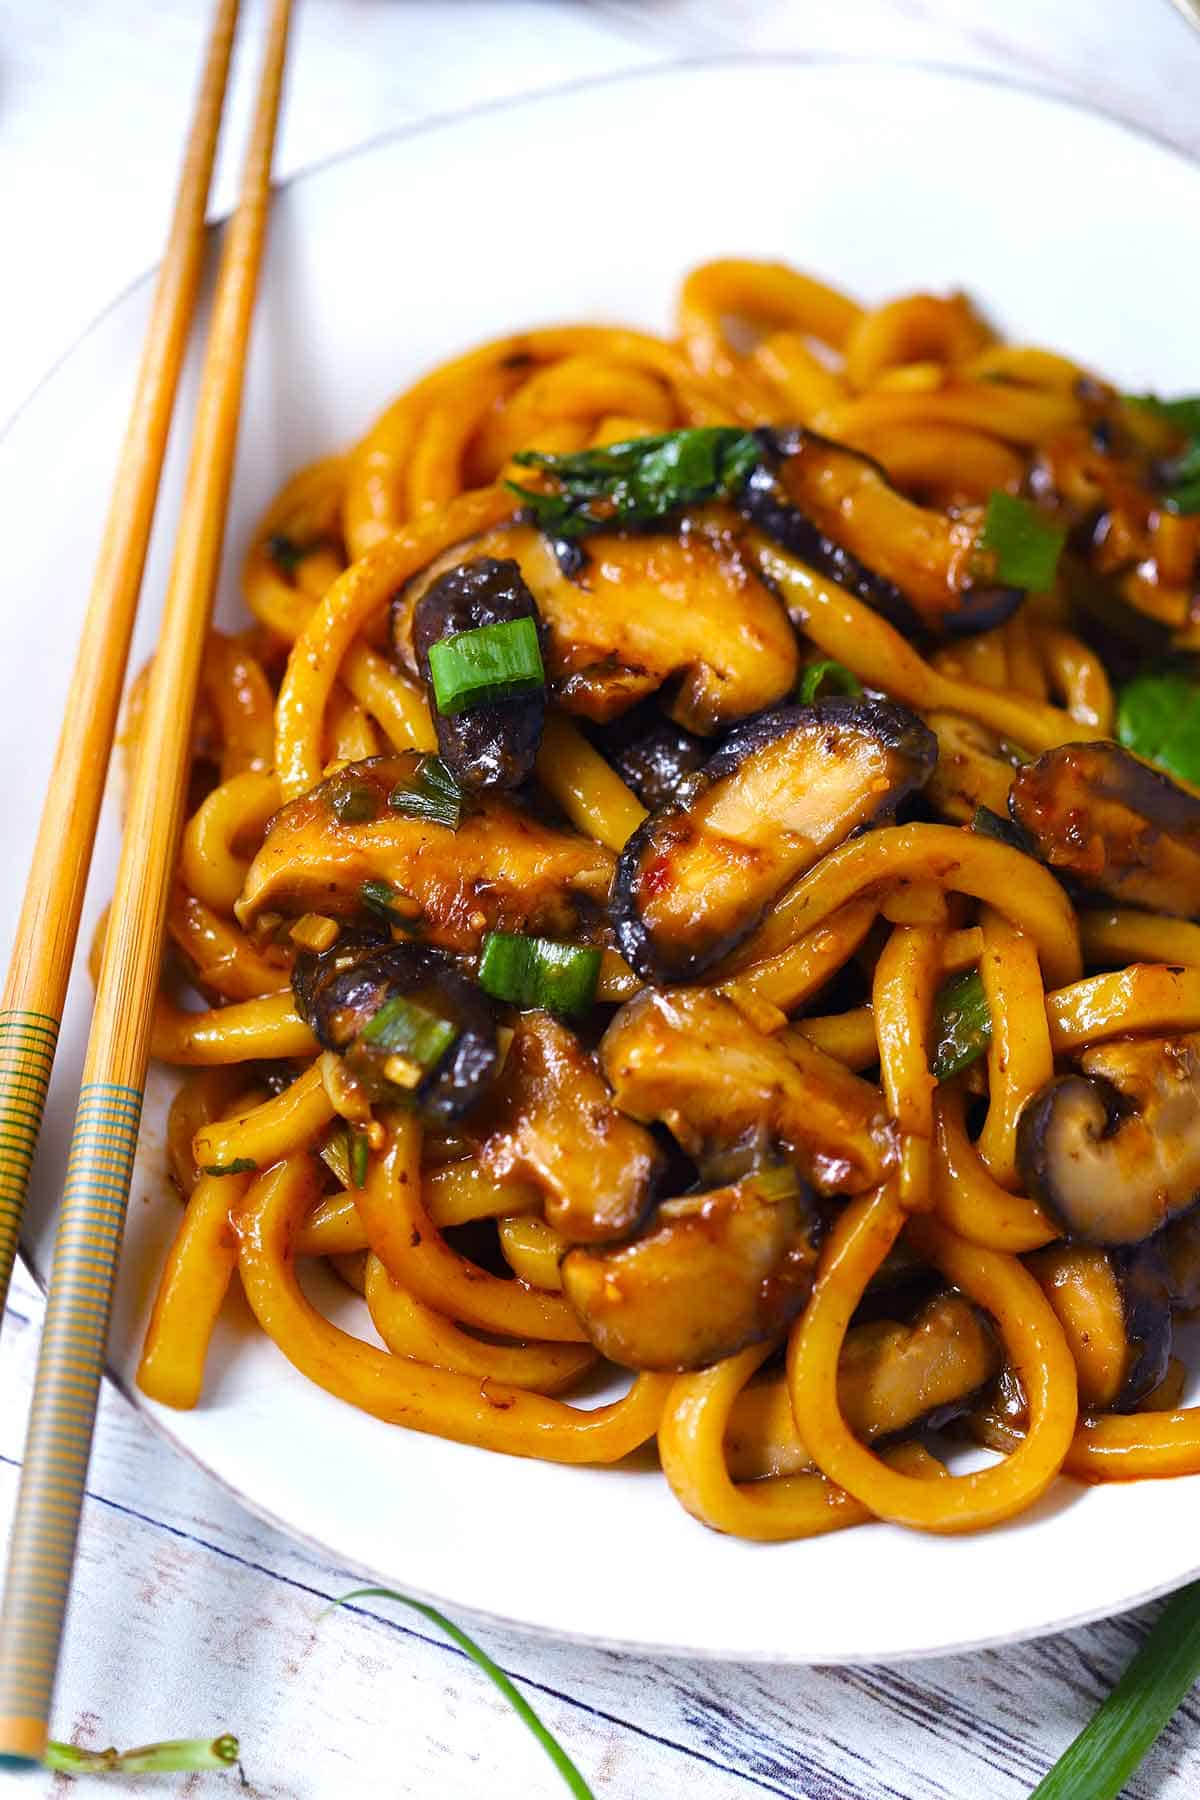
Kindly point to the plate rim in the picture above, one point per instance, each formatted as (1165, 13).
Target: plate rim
(943, 70)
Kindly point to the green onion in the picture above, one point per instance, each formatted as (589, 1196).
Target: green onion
(638, 481)
(1158, 717)
(241, 1165)
(433, 795)
(1026, 547)
(353, 802)
(1107, 1751)
(179, 1756)
(390, 903)
(402, 1027)
(497, 662)
(962, 1024)
(822, 678)
(554, 1750)
(779, 1181)
(1182, 472)
(533, 971)
(360, 1155)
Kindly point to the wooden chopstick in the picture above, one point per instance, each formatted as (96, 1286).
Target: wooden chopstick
(62, 1415)
(31, 1005)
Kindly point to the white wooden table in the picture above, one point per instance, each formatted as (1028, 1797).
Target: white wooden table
(188, 1615)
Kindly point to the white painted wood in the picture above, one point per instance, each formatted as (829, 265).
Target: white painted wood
(188, 1615)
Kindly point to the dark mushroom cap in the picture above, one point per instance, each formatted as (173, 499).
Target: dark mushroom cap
(340, 992)
(785, 788)
(1115, 1311)
(1115, 824)
(1114, 1153)
(714, 1272)
(490, 746)
(652, 755)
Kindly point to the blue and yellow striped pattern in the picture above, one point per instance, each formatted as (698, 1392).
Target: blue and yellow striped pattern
(63, 1412)
(27, 1044)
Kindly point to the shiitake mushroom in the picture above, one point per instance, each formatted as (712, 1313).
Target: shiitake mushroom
(490, 746)
(783, 789)
(340, 991)
(556, 1125)
(690, 1059)
(713, 1272)
(1115, 1309)
(1116, 825)
(828, 504)
(1113, 1152)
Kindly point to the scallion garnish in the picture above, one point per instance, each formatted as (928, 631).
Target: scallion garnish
(360, 1156)
(390, 903)
(496, 662)
(353, 802)
(1158, 717)
(962, 1024)
(778, 1181)
(554, 1750)
(433, 795)
(1107, 1751)
(176, 1757)
(638, 481)
(822, 678)
(241, 1165)
(539, 972)
(1181, 473)
(404, 1029)
(1024, 544)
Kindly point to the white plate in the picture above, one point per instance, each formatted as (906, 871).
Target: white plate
(589, 204)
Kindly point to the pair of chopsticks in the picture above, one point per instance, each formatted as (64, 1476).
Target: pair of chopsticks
(100, 1165)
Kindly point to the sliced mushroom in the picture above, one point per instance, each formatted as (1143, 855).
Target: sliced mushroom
(643, 609)
(690, 1058)
(695, 878)
(1180, 1245)
(555, 1124)
(972, 769)
(1116, 824)
(713, 1273)
(891, 1376)
(833, 507)
(341, 991)
(1114, 1152)
(1115, 1312)
(501, 870)
(653, 756)
(486, 746)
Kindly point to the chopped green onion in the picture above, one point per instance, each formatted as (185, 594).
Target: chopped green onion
(433, 795)
(1181, 474)
(285, 552)
(1158, 717)
(402, 1027)
(962, 1024)
(777, 1182)
(335, 1154)
(496, 662)
(1026, 547)
(533, 971)
(638, 481)
(822, 678)
(360, 1156)
(1107, 1751)
(554, 1750)
(241, 1165)
(391, 904)
(178, 1756)
(353, 802)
